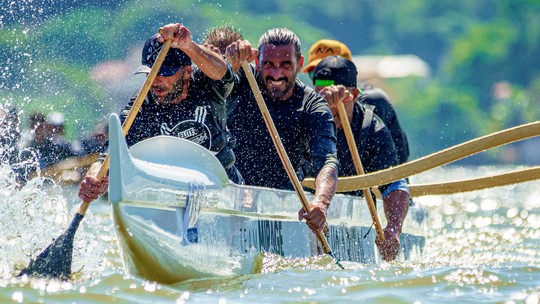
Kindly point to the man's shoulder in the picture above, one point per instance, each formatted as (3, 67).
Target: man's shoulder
(309, 95)
(366, 111)
(373, 93)
(198, 76)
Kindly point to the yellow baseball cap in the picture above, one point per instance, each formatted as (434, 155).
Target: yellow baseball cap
(324, 48)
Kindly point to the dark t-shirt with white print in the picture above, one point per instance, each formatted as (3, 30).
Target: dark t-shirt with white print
(200, 118)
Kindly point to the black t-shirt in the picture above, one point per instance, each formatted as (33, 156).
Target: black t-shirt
(303, 121)
(375, 145)
(200, 118)
(385, 110)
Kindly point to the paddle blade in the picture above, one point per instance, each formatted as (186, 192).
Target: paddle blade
(55, 260)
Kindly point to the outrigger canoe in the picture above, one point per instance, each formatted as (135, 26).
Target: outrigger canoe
(178, 217)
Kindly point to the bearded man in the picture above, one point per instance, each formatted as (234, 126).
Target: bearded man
(302, 118)
(185, 100)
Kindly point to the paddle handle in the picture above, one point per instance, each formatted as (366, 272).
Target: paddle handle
(132, 112)
(281, 150)
(358, 166)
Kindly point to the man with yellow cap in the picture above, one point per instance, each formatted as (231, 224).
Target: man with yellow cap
(322, 49)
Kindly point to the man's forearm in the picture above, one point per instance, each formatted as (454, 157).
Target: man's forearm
(325, 185)
(211, 63)
(396, 206)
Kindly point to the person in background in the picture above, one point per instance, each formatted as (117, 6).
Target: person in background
(368, 94)
(9, 128)
(48, 140)
(35, 120)
(301, 116)
(322, 49)
(97, 141)
(220, 38)
(217, 39)
(9, 137)
(335, 79)
(182, 98)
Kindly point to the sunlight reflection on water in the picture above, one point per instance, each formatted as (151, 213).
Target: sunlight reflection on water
(481, 246)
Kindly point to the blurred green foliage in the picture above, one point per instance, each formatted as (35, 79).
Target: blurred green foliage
(49, 48)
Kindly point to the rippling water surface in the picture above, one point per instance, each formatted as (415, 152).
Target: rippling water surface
(481, 247)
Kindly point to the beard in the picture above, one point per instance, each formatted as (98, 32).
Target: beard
(176, 90)
(277, 93)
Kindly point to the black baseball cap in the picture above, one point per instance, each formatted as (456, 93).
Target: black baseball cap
(173, 61)
(335, 70)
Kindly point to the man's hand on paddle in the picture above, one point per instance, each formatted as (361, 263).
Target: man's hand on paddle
(396, 206)
(325, 188)
(181, 36)
(389, 249)
(239, 51)
(316, 217)
(334, 94)
(91, 188)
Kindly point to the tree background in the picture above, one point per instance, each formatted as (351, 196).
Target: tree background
(77, 57)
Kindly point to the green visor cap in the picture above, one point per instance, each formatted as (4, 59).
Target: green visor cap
(323, 83)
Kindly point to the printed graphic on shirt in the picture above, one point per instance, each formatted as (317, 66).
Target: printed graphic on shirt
(194, 130)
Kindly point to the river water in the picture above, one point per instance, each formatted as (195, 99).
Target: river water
(481, 247)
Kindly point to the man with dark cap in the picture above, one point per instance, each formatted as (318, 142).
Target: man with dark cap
(368, 94)
(184, 101)
(335, 79)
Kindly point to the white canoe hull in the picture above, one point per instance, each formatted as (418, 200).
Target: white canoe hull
(178, 217)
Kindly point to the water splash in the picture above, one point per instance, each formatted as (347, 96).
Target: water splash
(30, 216)
(35, 213)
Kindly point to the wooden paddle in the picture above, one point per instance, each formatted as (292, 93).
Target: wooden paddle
(359, 167)
(473, 184)
(55, 260)
(58, 170)
(283, 154)
(434, 160)
(497, 180)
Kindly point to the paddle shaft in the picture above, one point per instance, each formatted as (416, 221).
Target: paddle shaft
(437, 159)
(496, 180)
(132, 113)
(359, 167)
(281, 150)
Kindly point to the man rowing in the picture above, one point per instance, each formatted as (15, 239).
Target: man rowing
(335, 79)
(301, 116)
(184, 101)
(369, 94)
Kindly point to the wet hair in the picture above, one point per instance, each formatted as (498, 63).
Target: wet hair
(281, 36)
(222, 36)
(36, 119)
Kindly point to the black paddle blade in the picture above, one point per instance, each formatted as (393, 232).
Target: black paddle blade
(55, 260)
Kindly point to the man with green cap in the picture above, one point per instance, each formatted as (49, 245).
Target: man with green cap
(335, 79)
